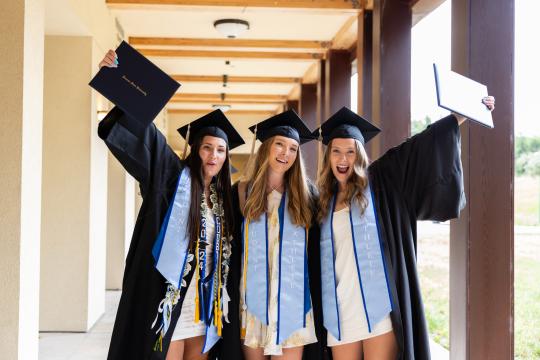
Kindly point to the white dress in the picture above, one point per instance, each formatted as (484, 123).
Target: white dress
(186, 327)
(255, 333)
(352, 316)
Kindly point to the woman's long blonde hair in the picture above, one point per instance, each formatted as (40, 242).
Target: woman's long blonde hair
(296, 185)
(356, 184)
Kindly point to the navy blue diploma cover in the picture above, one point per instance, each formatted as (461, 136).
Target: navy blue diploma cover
(136, 86)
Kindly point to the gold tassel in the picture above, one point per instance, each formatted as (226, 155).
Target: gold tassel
(217, 310)
(186, 144)
(197, 310)
(159, 343)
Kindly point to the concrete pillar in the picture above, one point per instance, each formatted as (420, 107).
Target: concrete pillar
(21, 101)
(74, 207)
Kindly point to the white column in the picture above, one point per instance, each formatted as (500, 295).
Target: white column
(74, 205)
(21, 101)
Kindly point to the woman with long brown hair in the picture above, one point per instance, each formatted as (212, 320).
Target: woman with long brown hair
(174, 297)
(276, 206)
(370, 292)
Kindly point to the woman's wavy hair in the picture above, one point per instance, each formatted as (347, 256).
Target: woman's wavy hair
(296, 185)
(356, 184)
(223, 190)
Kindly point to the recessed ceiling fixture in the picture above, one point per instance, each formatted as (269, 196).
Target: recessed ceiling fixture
(231, 28)
(221, 107)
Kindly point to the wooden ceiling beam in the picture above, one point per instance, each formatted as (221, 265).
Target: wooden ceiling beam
(232, 54)
(252, 43)
(259, 97)
(352, 5)
(228, 99)
(237, 79)
(229, 112)
(342, 39)
(224, 102)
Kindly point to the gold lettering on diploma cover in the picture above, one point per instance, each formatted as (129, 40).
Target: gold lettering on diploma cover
(134, 85)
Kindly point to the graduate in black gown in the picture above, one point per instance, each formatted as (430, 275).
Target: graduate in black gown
(257, 324)
(421, 179)
(169, 249)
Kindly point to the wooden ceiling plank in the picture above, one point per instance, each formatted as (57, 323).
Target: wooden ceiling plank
(232, 54)
(341, 39)
(229, 112)
(270, 97)
(253, 43)
(236, 79)
(353, 5)
(225, 102)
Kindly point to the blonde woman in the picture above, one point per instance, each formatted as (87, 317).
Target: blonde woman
(275, 205)
(370, 291)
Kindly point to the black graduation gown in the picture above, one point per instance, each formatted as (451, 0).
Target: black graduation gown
(144, 153)
(420, 179)
(230, 347)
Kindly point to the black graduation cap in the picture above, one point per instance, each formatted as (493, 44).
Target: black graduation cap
(348, 125)
(287, 124)
(213, 124)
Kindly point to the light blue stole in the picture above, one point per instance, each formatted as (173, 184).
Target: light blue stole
(171, 245)
(294, 300)
(370, 266)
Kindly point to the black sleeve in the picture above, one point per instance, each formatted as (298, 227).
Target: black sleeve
(143, 152)
(426, 169)
(318, 350)
(230, 346)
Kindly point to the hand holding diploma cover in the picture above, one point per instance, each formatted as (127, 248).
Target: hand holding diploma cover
(137, 86)
(462, 95)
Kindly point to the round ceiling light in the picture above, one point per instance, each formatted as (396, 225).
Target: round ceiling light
(222, 107)
(231, 28)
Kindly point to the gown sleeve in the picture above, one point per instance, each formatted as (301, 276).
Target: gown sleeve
(143, 152)
(230, 346)
(426, 169)
(318, 350)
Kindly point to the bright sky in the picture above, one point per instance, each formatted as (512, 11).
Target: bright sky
(431, 43)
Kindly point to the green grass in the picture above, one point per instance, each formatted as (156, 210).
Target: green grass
(527, 308)
(527, 200)
(433, 271)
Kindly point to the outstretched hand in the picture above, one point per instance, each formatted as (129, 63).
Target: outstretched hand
(110, 60)
(489, 101)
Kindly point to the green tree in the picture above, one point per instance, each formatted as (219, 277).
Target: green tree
(418, 126)
(532, 167)
(527, 155)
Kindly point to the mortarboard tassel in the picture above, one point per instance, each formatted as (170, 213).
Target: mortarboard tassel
(250, 159)
(319, 154)
(186, 144)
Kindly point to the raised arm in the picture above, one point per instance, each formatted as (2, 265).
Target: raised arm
(143, 152)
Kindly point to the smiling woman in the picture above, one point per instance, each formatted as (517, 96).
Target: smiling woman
(177, 266)
(277, 313)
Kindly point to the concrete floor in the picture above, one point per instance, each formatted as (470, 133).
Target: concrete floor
(94, 344)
